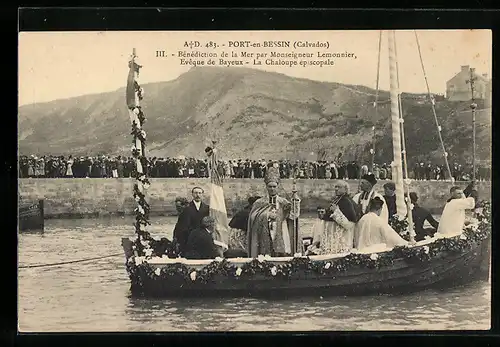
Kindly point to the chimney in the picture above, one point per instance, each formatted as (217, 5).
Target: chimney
(465, 68)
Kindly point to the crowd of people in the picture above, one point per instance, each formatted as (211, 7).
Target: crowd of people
(121, 167)
(352, 221)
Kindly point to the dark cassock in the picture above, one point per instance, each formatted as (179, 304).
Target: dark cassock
(189, 219)
(271, 222)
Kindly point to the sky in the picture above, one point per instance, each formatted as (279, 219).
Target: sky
(58, 65)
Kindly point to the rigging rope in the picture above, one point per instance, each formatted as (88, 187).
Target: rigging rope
(433, 108)
(69, 262)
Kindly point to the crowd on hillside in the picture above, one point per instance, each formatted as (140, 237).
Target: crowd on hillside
(118, 167)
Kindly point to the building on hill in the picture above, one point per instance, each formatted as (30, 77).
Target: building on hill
(457, 88)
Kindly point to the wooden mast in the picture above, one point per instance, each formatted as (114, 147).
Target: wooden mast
(397, 169)
(406, 178)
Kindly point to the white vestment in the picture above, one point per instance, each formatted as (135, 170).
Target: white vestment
(453, 218)
(374, 230)
(364, 203)
(318, 227)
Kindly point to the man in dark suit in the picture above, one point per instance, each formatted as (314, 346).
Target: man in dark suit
(190, 219)
(200, 243)
(420, 215)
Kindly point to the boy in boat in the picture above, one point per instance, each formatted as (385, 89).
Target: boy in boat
(372, 229)
(368, 193)
(390, 198)
(453, 218)
(200, 243)
(318, 228)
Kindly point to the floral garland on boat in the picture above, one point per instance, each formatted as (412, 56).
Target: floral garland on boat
(263, 266)
(400, 225)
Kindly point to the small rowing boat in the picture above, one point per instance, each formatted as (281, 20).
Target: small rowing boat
(31, 216)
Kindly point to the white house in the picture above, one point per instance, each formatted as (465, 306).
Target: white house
(457, 88)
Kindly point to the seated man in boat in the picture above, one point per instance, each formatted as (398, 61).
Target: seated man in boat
(420, 215)
(200, 243)
(190, 218)
(368, 193)
(453, 217)
(372, 229)
(271, 222)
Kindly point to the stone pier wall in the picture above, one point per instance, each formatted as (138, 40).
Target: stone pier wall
(94, 197)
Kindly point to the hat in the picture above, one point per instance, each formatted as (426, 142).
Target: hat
(370, 178)
(272, 175)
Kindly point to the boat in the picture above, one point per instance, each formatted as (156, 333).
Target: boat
(438, 262)
(31, 216)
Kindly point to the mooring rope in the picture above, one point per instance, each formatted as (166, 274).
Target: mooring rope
(69, 262)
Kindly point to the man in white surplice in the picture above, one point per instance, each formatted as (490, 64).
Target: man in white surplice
(368, 193)
(453, 218)
(372, 229)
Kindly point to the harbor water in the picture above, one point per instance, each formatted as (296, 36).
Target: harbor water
(94, 295)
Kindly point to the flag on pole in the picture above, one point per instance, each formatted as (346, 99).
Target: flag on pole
(217, 203)
(131, 95)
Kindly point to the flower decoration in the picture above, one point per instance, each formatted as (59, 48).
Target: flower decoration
(400, 224)
(274, 270)
(263, 265)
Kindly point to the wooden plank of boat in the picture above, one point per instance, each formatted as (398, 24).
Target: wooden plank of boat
(400, 277)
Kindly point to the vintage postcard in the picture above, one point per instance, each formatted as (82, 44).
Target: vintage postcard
(254, 180)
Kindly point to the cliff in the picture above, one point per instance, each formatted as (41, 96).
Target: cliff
(254, 114)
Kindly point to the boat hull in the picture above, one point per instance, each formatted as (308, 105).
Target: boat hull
(31, 217)
(401, 277)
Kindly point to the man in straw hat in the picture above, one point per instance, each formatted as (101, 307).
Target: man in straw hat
(270, 223)
(368, 193)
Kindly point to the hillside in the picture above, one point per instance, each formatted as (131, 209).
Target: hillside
(254, 114)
